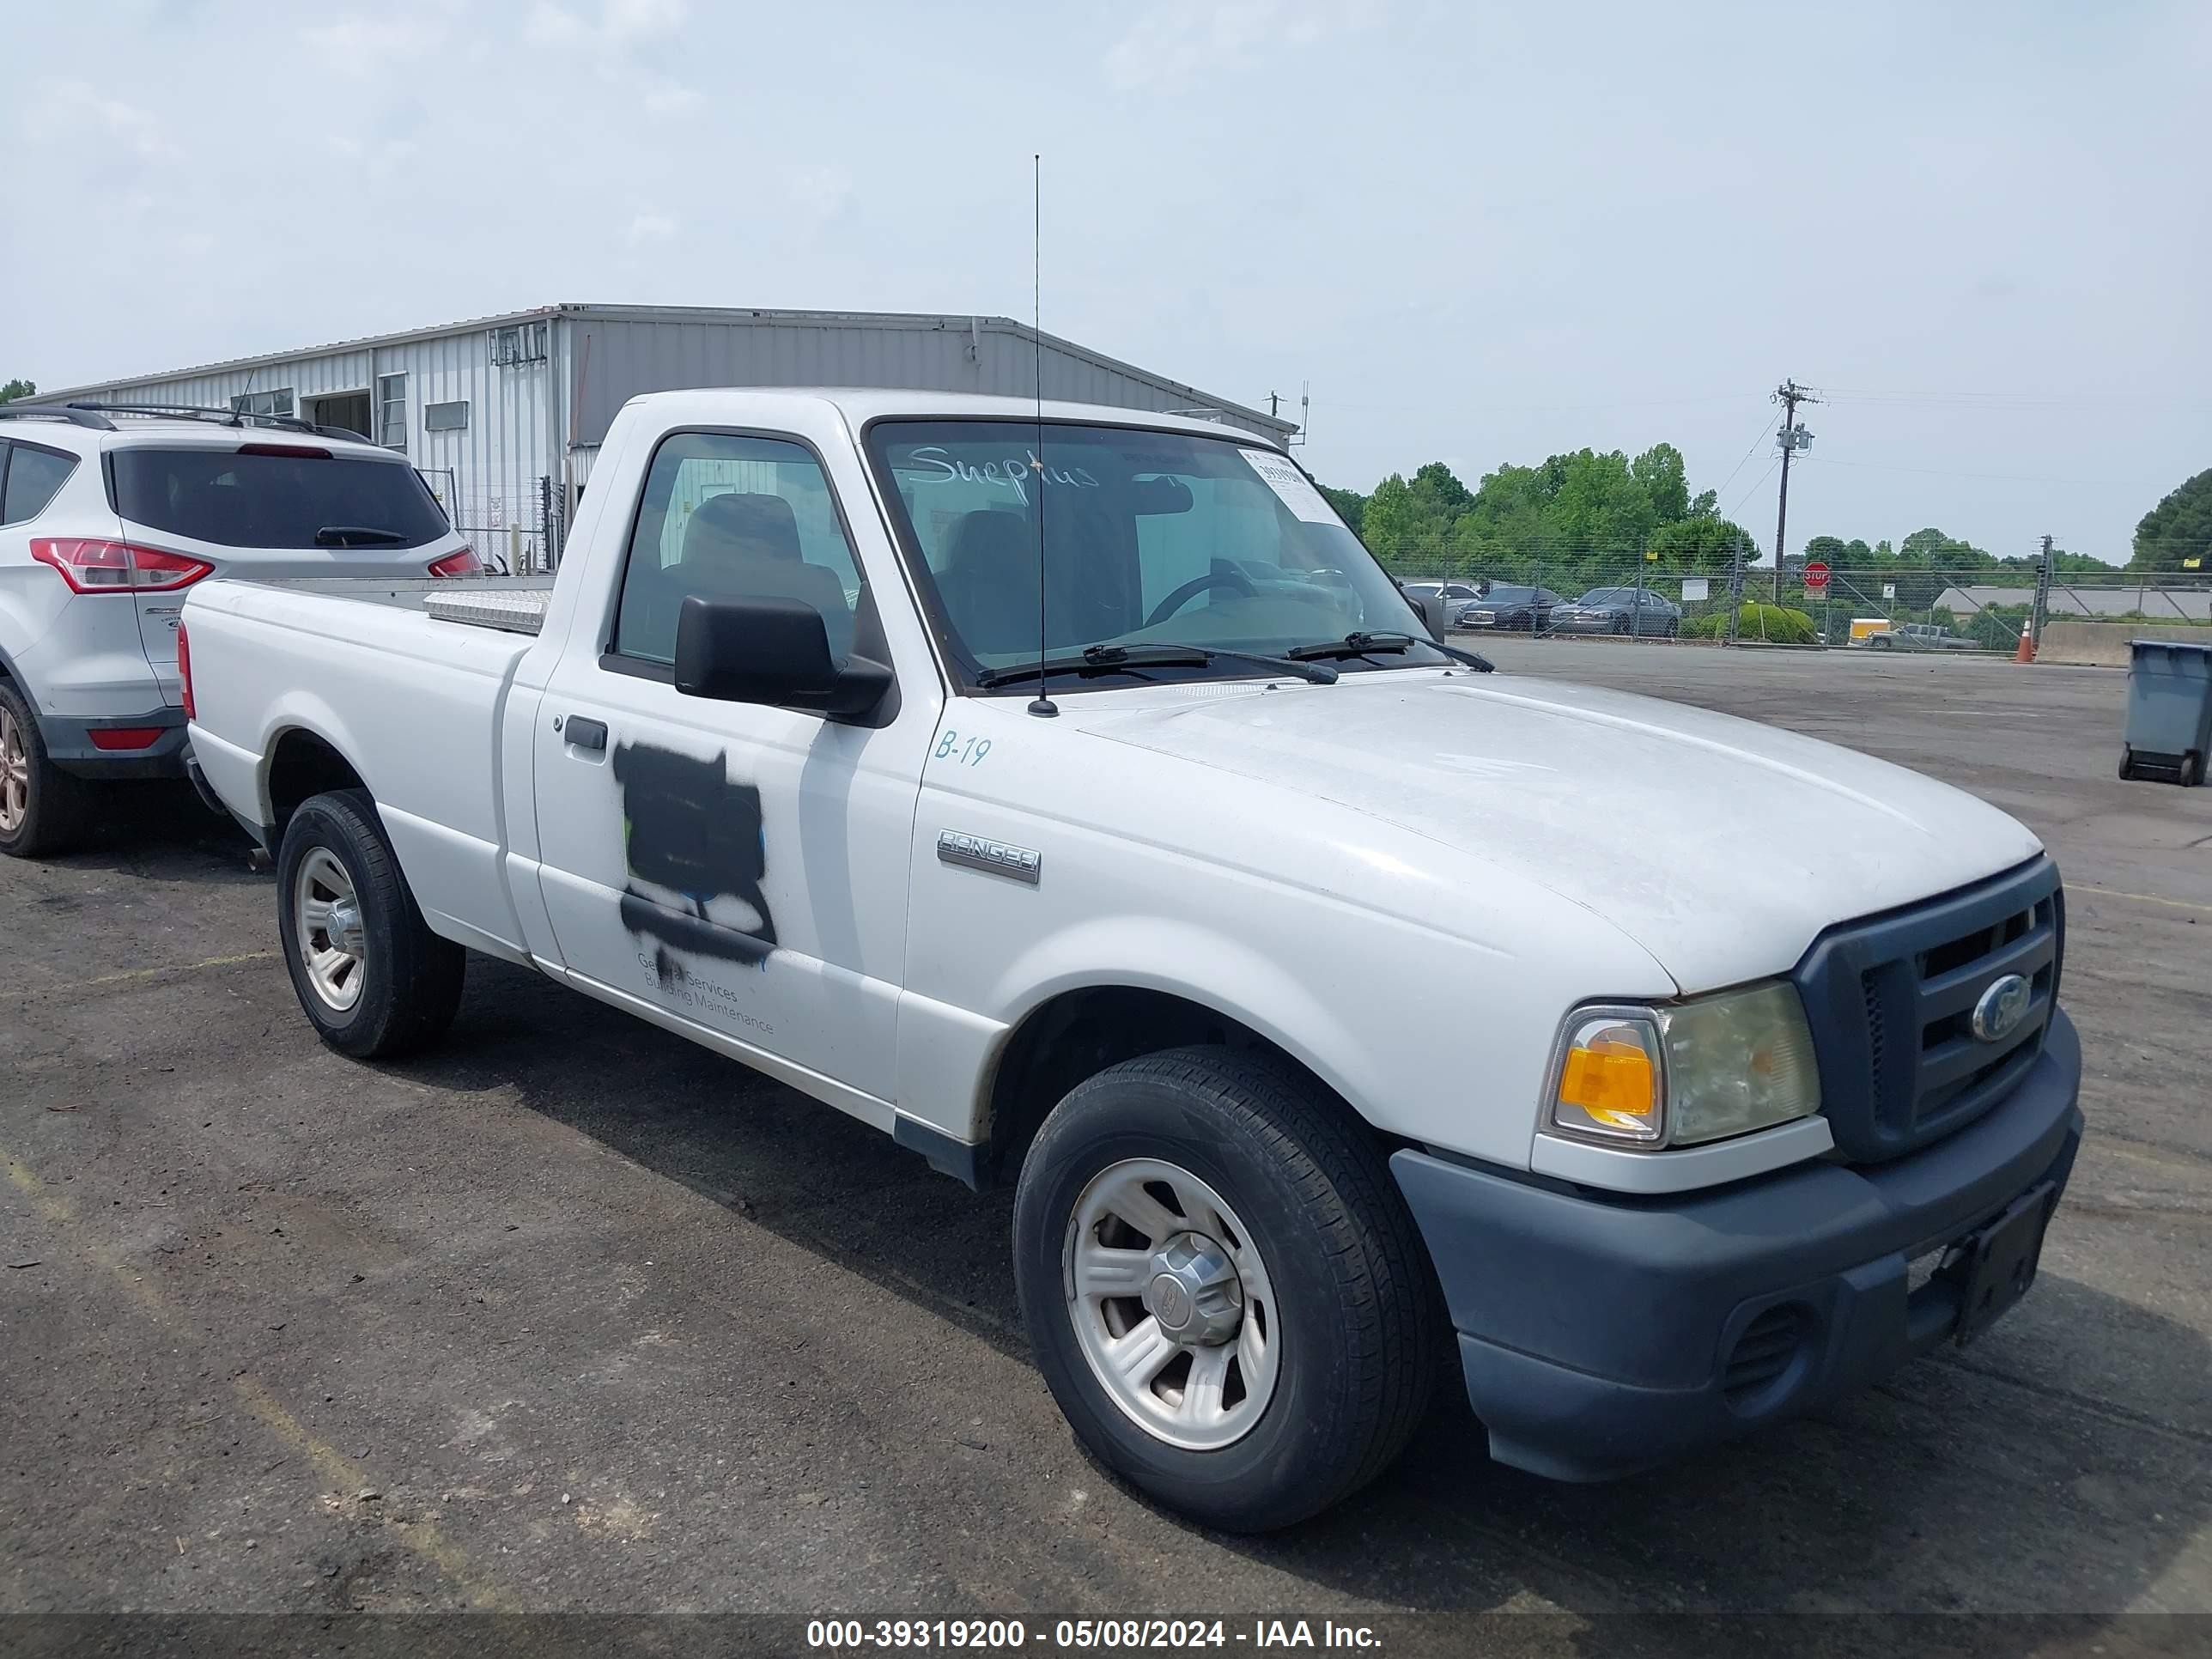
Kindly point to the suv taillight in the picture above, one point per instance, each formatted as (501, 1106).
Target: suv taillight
(101, 567)
(185, 670)
(462, 562)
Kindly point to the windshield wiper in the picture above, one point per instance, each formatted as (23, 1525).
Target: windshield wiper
(358, 535)
(1391, 645)
(1115, 659)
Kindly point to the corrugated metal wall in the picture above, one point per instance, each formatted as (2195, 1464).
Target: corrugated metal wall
(936, 354)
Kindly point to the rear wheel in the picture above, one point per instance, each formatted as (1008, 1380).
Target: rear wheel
(371, 977)
(2127, 763)
(2192, 769)
(43, 810)
(1222, 1288)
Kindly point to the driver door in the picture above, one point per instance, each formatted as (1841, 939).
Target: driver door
(728, 865)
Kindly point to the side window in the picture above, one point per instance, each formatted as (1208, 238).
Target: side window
(33, 476)
(731, 517)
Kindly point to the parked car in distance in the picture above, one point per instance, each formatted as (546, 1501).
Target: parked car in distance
(1618, 611)
(1454, 594)
(1918, 636)
(1506, 607)
(108, 516)
(1137, 907)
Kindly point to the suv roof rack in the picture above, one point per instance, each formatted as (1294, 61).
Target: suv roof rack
(75, 414)
(221, 417)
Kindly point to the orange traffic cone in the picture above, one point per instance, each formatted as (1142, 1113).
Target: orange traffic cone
(2026, 652)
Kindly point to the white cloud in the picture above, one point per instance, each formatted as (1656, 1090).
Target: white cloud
(65, 104)
(633, 19)
(669, 98)
(649, 226)
(620, 23)
(367, 41)
(1172, 46)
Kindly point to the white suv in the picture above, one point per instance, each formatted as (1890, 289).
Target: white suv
(107, 514)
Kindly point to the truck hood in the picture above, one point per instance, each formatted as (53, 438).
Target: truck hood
(1720, 846)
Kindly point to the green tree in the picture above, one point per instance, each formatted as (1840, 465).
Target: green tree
(1406, 525)
(1830, 550)
(16, 389)
(1702, 545)
(2177, 530)
(1665, 481)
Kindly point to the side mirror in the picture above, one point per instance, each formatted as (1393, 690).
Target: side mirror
(775, 652)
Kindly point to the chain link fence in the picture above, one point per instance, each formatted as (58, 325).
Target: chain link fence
(515, 532)
(1729, 599)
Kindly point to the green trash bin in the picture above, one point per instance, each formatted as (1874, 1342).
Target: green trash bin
(2169, 711)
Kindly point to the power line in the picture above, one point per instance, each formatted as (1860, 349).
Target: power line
(1747, 453)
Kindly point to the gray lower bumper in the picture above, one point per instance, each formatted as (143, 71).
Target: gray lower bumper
(1596, 1333)
(69, 746)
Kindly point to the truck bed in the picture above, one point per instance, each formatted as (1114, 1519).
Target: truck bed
(410, 681)
(513, 604)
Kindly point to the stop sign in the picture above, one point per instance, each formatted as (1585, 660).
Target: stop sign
(1816, 577)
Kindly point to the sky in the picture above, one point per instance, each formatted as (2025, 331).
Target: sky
(1480, 233)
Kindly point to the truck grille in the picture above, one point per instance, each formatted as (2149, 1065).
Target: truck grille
(1891, 1001)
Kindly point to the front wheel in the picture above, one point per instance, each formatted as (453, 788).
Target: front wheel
(1224, 1290)
(372, 978)
(2192, 769)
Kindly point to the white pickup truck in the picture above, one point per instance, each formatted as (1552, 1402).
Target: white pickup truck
(1065, 792)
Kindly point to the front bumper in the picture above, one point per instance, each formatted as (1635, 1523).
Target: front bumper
(69, 745)
(1595, 1333)
(1587, 624)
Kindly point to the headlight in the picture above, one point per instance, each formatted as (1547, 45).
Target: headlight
(1676, 1075)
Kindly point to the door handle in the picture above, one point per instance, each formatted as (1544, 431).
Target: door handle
(583, 733)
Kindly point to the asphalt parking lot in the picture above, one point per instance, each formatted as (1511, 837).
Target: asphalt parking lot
(574, 1316)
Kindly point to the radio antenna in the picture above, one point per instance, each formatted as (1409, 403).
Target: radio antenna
(1042, 705)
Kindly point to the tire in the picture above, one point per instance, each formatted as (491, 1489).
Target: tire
(1621, 627)
(2127, 763)
(43, 810)
(2192, 769)
(1347, 1347)
(404, 985)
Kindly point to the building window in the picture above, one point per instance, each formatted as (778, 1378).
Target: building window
(392, 411)
(263, 402)
(444, 417)
(520, 342)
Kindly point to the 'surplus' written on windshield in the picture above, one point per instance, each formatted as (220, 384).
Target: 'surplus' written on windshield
(1010, 474)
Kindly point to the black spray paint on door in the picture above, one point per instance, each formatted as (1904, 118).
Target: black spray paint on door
(691, 831)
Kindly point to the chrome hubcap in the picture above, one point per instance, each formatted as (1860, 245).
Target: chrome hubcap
(15, 773)
(1171, 1304)
(327, 922)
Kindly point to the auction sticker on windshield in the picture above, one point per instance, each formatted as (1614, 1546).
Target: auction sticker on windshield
(1283, 478)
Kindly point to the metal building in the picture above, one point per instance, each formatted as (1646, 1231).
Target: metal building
(503, 415)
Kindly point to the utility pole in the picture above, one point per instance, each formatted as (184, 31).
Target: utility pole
(1789, 440)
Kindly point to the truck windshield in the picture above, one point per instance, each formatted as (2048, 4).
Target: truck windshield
(275, 496)
(1149, 538)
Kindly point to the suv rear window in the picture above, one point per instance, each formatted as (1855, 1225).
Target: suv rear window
(265, 499)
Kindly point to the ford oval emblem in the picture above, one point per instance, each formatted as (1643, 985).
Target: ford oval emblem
(2001, 1009)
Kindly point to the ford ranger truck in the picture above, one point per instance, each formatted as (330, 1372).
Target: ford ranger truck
(1066, 792)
